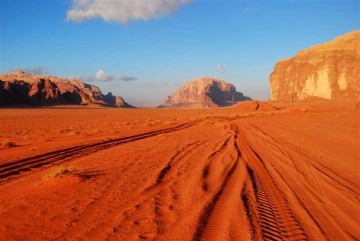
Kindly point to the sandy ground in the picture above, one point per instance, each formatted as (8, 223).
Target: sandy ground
(249, 172)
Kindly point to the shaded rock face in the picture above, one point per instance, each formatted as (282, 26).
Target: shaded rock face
(116, 101)
(204, 93)
(328, 71)
(21, 92)
(23, 88)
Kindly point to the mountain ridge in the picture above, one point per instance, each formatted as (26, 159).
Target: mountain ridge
(24, 88)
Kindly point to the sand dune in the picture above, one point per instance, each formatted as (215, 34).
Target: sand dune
(219, 174)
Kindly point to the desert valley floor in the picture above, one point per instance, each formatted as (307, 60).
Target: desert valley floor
(249, 172)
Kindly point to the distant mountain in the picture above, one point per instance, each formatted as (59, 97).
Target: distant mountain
(23, 88)
(328, 71)
(204, 93)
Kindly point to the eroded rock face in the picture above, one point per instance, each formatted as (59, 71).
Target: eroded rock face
(23, 88)
(327, 71)
(204, 93)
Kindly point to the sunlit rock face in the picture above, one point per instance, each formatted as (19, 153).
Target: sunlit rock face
(204, 93)
(328, 71)
(23, 88)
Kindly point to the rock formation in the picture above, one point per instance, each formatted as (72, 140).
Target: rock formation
(329, 71)
(116, 101)
(204, 93)
(24, 88)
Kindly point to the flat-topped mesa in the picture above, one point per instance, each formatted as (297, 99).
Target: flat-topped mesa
(328, 71)
(24, 88)
(204, 93)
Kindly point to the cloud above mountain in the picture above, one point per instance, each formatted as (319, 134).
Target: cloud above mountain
(220, 67)
(36, 70)
(122, 11)
(125, 77)
(103, 76)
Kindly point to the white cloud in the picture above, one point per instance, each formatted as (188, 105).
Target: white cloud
(75, 77)
(102, 76)
(36, 70)
(82, 78)
(220, 67)
(125, 77)
(245, 10)
(121, 11)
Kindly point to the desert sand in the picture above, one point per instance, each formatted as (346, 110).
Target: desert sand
(255, 171)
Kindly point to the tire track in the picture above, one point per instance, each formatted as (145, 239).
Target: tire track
(158, 200)
(209, 208)
(249, 202)
(275, 217)
(204, 218)
(129, 218)
(10, 169)
(180, 154)
(332, 175)
(206, 170)
(277, 222)
(315, 220)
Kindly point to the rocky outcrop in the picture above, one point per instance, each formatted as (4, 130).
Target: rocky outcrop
(116, 101)
(204, 93)
(24, 88)
(329, 71)
(249, 106)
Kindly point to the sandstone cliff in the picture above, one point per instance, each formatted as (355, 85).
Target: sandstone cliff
(329, 71)
(24, 88)
(204, 93)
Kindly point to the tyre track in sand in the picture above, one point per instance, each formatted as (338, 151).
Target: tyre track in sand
(209, 217)
(161, 204)
(323, 169)
(267, 210)
(274, 219)
(159, 201)
(121, 217)
(307, 182)
(14, 168)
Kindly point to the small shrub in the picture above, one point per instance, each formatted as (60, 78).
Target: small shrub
(74, 133)
(63, 130)
(59, 171)
(8, 143)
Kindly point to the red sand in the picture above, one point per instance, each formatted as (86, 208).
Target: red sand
(219, 174)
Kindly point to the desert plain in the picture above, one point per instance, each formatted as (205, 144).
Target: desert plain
(253, 171)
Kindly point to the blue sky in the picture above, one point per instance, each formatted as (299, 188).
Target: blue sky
(143, 52)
